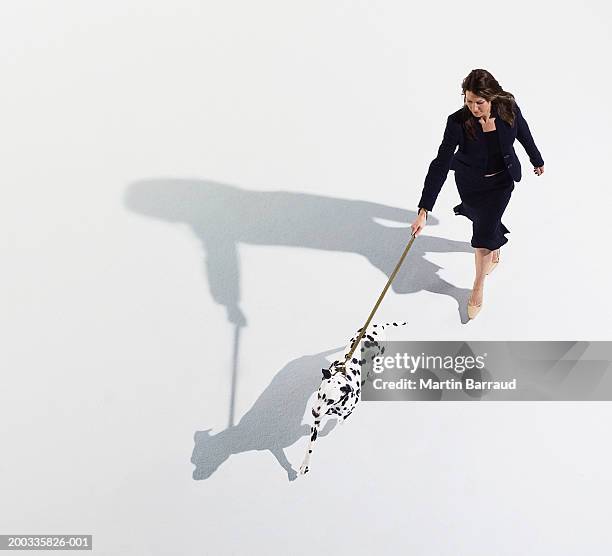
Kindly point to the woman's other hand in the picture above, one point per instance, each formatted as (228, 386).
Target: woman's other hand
(538, 170)
(419, 222)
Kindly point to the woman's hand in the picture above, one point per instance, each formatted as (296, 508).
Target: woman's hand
(538, 170)
(419, 223)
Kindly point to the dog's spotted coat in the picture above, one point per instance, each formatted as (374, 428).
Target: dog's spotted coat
(340, 388)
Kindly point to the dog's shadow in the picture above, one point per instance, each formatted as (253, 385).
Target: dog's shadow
(273, 423)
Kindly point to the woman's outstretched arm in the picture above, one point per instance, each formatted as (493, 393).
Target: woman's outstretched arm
(523, 134)
(439, 166)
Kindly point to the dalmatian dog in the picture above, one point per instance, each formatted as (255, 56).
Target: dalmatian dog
(340, 387)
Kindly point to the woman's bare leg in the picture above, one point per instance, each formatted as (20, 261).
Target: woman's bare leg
(483, 258)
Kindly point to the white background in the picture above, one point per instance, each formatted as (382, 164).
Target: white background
(292, 139)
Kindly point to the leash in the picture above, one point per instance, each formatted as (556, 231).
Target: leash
(365, 326)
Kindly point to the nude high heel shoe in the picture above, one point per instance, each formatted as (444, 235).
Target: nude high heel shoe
(473, 310)
(494, 263)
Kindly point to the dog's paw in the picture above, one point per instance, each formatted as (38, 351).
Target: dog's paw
(304, 469)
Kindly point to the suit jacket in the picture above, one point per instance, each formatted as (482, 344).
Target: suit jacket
(471, 157)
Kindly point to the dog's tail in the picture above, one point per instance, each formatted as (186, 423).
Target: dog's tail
(374, 336)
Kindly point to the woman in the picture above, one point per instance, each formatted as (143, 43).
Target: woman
(485, 166)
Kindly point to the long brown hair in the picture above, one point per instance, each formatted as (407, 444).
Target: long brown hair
(481, 83)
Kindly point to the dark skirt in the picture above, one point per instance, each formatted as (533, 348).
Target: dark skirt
(483, 201)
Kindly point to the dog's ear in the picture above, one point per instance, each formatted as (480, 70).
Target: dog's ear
(326, 373)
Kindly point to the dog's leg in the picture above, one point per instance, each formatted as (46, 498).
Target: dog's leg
(314, 432)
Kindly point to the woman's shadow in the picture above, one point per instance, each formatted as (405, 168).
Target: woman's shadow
(222, 216)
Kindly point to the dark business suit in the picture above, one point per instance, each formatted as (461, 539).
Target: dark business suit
(483, 198)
